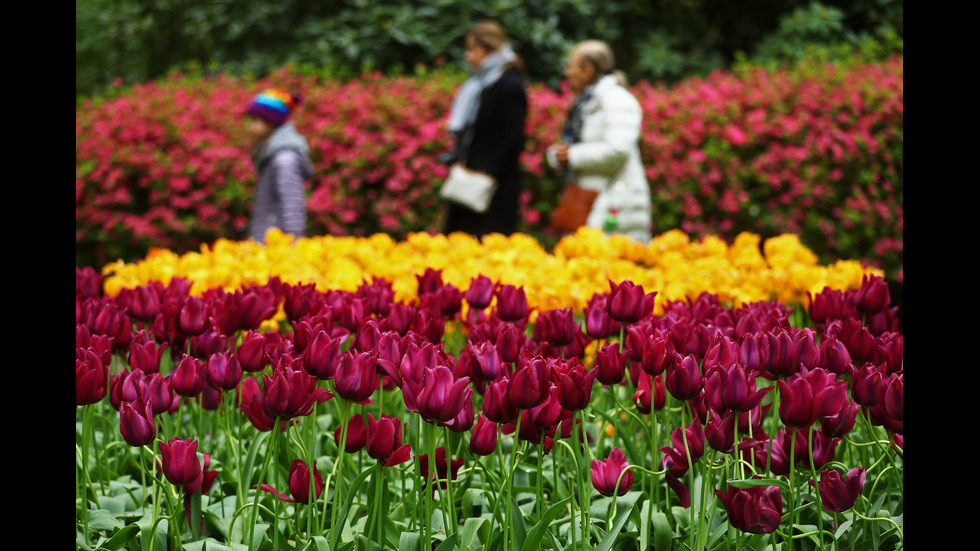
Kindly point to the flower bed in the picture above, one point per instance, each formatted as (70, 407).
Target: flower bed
(816, 152)
(451, 416)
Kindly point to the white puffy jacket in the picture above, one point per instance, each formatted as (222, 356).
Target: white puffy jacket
(607, 159)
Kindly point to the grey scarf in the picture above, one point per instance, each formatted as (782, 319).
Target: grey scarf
(467, 100)
(284, 137)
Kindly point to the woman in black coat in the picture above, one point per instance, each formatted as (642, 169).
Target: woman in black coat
(488, 117)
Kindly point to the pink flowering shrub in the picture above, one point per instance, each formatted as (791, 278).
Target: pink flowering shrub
(815, 151)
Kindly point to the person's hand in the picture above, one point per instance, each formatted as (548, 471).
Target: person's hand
(561, 153)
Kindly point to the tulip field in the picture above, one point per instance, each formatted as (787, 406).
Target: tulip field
(448, 393)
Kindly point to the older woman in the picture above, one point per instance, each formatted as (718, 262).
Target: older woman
(487, 118)
(601, 143)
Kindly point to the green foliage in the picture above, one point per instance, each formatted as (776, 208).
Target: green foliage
(128, 41)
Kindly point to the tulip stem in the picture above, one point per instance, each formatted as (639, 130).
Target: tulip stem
(792, 487)
(265, 467)
(816, 483)
(511, 529)
(338, 482)
(448, 503)
(234, 452)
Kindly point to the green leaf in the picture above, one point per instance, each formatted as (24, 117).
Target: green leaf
(448, 544)
(366, 544)
(751, 482)
(610, 537)
(470, 529)
(517, 520)
(537, 532)
(351, 494)
(409, 541)
(121, 538)
(152, 534)
(317, 543)
(101, 519)
(663, 534)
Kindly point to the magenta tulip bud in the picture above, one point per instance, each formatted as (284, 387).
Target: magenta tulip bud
(483, 440)
(356, 378)
(755, 510)
(684, 380)
(834, 356)
(439, 397)
(732, 388)
(357, 433)
(574, 384)
(322, 357)
(895, 397)
(290, 393)
(598, 324)
(251, 353)
(192, 319)
(839, 425)
(868, 385)
(509, 341)
(719, 433)
(611, 364)
(658, 353)
(487, 364)
(608, 477)
(91, 377)
(145, 303)
(530, 384)
(840, 494)
(298, 300)
(626, 302)
(385, 441)
(160, 393)
(179, 460)
(810, 395)
(299, 481)
(511, 303)
(188, 378)
(650, 394)
(223, 371)
(496, 403)
(872, 297)
(480, 293)
(557, 326)
(136, 423)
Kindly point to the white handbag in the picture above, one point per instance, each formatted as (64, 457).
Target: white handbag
(473, 190)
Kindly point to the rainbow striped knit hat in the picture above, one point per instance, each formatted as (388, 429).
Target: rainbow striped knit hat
(273, 106)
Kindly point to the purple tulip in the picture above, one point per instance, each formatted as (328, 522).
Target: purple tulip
(385, 441)
(480, 292)
(574, 384)
(439, 397)
(136, 423)
(511, 303)
(684, 380)
(192, 318)
(732, 388)
(608, 473)
(299, 481)
(188, 378)
(610, 364)
(530, 383)
(755, 510)
(322, 357)
(840, 494)
(483, 440)
(895, 397)
(356, 378)
(810, 395)
(626, 302)
(91, 377)
(179, 461)
(223, 371)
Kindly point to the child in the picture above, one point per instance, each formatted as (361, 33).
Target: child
(281, 158)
